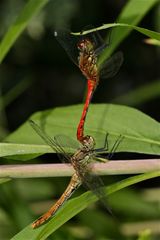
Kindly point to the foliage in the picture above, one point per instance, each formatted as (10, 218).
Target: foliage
(140, 135)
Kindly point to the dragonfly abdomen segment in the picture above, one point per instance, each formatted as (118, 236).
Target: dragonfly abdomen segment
(80, 130)
(75, 182)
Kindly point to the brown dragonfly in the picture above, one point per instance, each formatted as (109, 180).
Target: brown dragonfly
(80, 160)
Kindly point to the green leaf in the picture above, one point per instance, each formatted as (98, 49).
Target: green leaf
(3, 180)
(24, 150)
(132, 13)
(149, 33)
(141, 95)
(107, 52)
(140, 132)
(151, 41)
(74, 206)
(12, 94)
(145, 235)
(31, 8)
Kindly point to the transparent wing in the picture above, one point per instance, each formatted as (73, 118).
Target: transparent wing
(51, 142)
(111, 66)
(67, 142)
(63, 141)
(69, 42)
(94, 183)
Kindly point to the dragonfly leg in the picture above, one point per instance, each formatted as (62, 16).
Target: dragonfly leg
(105, 147)
(100, 159)
(115, 146)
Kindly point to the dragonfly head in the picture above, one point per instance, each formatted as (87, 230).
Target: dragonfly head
(88, 143)
(85, 45)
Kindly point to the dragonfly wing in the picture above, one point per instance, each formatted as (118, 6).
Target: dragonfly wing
(69, 43)
(50, 141)
(100, 49)
(94, 183)
(67, 142)
(63, 141)
(111, 66)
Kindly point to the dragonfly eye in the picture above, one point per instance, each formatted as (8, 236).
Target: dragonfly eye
(81, 45)
(85, 45)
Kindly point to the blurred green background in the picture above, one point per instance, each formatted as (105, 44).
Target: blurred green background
(37, 74)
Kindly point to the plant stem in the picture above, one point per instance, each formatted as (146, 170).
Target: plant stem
(56, 170)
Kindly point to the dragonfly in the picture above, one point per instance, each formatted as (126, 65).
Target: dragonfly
(84, 51)
(80, 161)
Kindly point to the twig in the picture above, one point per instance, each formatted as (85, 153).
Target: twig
(115, 167)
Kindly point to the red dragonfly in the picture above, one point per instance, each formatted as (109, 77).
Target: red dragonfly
(80, 160)
(84, 51)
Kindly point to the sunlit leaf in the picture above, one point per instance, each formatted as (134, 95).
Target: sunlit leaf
(3, 180)
(140, 132)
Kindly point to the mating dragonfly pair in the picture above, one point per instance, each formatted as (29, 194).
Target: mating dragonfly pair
(83, 50)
